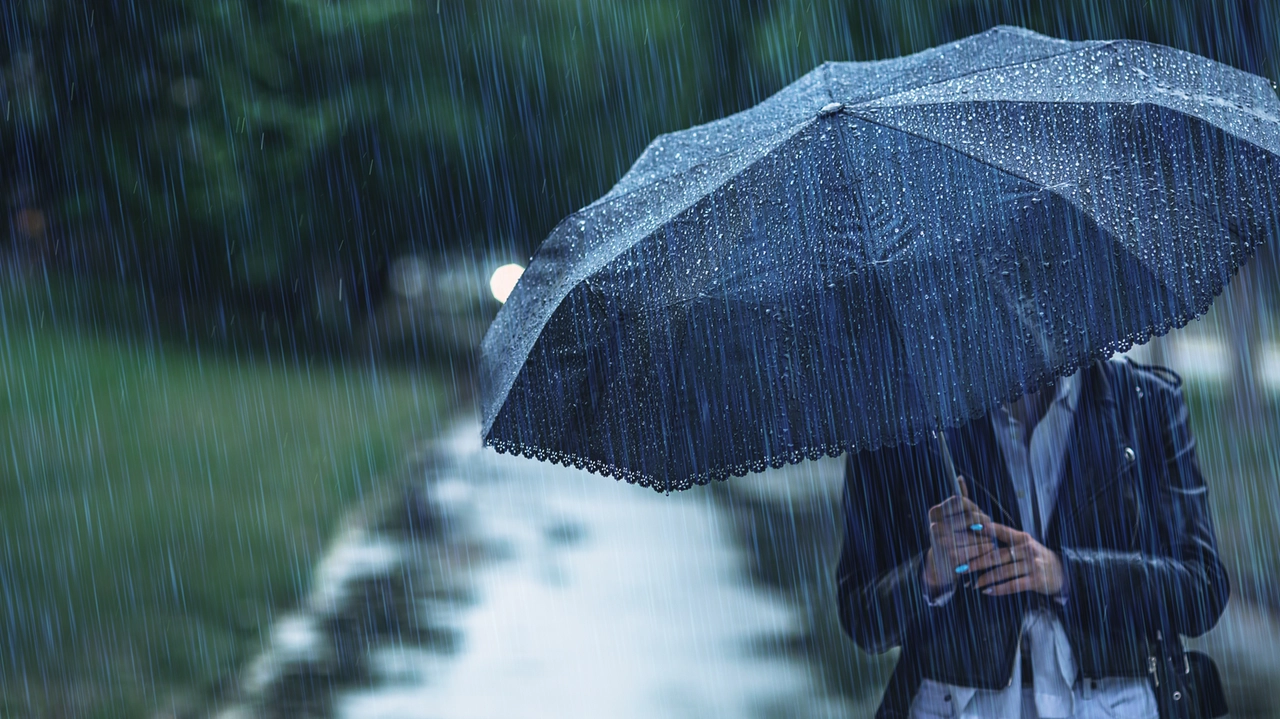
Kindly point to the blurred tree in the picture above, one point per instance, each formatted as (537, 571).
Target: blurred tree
(280, 150)
(274, 154)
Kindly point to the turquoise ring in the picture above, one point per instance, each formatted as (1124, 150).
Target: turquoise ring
(975, 527)
(962, 569)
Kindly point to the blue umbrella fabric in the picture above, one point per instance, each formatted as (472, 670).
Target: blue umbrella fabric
(880, 250)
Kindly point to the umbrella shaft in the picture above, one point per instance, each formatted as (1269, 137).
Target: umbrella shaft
(947, 463)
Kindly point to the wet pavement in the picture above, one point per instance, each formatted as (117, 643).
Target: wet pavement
(608, 601)
(539, 591)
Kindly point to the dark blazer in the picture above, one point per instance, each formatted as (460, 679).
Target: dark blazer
(1131, 524)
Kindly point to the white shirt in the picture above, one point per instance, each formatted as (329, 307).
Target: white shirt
(1035, 465)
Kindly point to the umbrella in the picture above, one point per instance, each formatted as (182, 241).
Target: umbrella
(879, 251)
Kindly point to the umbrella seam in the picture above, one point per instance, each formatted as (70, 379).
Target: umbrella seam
(1103, 44)
(825, 67)
(854, 112)
(606, 200)
(825, 73)
(1115, 240)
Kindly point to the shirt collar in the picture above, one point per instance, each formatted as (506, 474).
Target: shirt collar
(1067, 394)
(1069, 391)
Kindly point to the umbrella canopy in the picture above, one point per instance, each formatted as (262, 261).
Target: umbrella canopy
(879, 250)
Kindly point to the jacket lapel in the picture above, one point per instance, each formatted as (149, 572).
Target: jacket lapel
(1092, 460)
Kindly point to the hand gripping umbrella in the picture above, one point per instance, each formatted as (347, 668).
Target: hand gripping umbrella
(880, 251)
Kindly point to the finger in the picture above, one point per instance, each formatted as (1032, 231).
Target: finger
(1002, 573)
(958, 505)
(960, 541)
(957, 544)
(998, 557)
(967, 554)
(951, 533)
(962, 517)
(975, 524)
(973, 549)
(1008, 535)
(959, 535)
(964, 542)
(958, 550)
(969, 524)
(1015, 586)
(974, 560)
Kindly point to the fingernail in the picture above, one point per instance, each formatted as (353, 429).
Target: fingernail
(962, 569)
(975, 527)
(987, 591)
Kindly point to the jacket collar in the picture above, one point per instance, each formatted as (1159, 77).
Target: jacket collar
(1067, 393)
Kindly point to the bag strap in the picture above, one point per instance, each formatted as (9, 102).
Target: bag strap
(1170, 674)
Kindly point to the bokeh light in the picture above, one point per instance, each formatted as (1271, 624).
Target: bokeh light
(504, 280)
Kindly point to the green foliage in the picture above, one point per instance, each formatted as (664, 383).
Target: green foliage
(242, 143)
(237, 141)
(158, 506)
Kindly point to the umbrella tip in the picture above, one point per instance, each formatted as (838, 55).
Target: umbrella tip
(829, 108)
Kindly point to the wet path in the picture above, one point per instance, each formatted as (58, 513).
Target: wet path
(611, 601)
(550, 593)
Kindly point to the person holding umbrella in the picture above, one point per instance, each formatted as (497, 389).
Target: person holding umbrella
(882, 255)
(1082, 541)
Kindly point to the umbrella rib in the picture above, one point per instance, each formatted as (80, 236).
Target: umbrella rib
(606, 200)
(826, 85)
(1005, 171)
(1081, 103)
(958, 151)
(984, 70)
(870, 102)
(794, 131)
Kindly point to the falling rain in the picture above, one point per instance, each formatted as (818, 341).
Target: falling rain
(344, 344)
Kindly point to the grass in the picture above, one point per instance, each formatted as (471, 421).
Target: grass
(158, 504)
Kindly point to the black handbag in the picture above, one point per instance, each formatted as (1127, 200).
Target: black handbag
(1186, 684)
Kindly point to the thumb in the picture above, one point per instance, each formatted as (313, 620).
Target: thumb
(964, 487)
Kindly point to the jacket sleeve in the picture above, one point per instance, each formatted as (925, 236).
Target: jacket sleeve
(880, 589)
(1177, 580)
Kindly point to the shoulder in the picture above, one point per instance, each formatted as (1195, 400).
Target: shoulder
(1151, 395)
(1143, 379)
